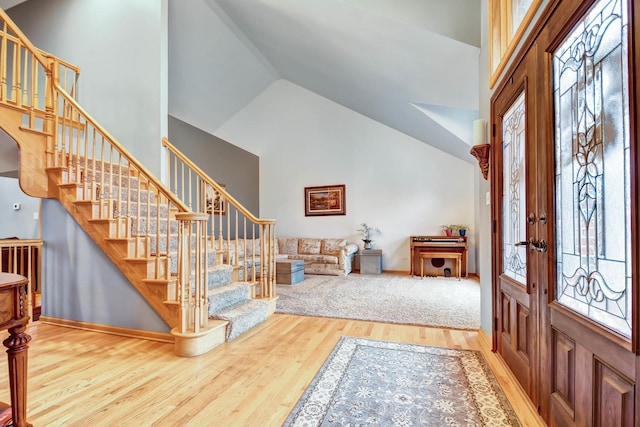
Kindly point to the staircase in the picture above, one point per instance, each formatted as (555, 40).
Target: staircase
(173, 246)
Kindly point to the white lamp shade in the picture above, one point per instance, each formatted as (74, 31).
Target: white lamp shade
(479, 132)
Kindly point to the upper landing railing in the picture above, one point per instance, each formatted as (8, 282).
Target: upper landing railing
(25, 74)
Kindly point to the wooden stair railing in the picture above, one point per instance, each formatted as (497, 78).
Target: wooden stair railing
(127, 211)
(26, 88)
(235, 234)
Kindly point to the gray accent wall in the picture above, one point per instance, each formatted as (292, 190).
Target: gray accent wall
(237, 169)
(18, 223)
(81, 283)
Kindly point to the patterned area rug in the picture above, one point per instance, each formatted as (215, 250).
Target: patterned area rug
(390, 298)
(367, 382)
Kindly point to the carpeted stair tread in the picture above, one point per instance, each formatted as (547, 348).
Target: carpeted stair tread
(227, 296)
(173, 261)
(131, 209)
(219, 275)
(140, 226)
(132, 194)
(243, 316)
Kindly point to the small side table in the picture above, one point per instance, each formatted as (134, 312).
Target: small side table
(289, 271)
(371, 261)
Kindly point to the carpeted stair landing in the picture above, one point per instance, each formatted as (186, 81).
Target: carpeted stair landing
(230, 301)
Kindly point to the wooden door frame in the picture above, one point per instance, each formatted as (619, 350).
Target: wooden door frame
(541, 78)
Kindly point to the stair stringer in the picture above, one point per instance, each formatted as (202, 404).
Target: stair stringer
(32, 144)
(134, 269)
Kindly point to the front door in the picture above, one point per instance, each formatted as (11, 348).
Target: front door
(516, 299)
(592, 350)
(566, 239)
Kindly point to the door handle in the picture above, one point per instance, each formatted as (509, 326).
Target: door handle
(539, 246)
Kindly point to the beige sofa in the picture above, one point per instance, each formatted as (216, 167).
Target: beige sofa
(321, 256)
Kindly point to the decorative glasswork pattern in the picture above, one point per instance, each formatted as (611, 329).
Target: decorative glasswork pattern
(592, 175)
(514, 222)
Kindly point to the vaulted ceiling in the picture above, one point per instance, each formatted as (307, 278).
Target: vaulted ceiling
(409, 64)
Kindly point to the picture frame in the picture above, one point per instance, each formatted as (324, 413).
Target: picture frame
(325, 200)
(213, 202)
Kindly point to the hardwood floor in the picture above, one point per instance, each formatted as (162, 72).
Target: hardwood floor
(79, 378)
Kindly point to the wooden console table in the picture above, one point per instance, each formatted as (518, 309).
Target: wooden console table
(434, 244)
(13, 316)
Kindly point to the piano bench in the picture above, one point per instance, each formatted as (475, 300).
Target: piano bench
(451, 255)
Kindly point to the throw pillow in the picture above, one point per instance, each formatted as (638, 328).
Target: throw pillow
(309, 246)
(332, 246)
(288, 245)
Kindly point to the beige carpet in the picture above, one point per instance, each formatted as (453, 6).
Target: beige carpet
(391, 298)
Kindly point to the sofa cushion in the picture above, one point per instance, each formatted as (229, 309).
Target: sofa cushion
(288, 245)
(311, 259)
(309, 246)
(332, 246)
(239, 246)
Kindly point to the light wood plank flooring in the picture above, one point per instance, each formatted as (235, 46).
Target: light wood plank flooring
(80, 378)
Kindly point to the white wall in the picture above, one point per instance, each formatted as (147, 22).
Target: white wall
(483, 211)
(9, 156)
(117, 45)
(393, 181)
(212, 72)
(18, 223)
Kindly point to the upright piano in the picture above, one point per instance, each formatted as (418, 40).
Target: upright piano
(422, 244)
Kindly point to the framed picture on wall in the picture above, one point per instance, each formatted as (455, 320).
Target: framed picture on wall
(325, 200)
(214, 203)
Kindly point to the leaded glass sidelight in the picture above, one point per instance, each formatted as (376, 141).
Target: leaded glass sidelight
(592, 174)
(514, 257)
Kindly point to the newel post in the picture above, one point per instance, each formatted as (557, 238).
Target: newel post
(192, 271)
(195, 334)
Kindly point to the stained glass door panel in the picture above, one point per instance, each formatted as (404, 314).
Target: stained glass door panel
(514, 222)
(592, 168)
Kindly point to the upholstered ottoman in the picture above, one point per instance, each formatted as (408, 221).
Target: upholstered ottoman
(289, 271)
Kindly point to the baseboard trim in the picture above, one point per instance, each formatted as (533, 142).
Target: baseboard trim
(407, 272)
(107, 329)
(494, 359)
(400, 272)
(484, 339)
